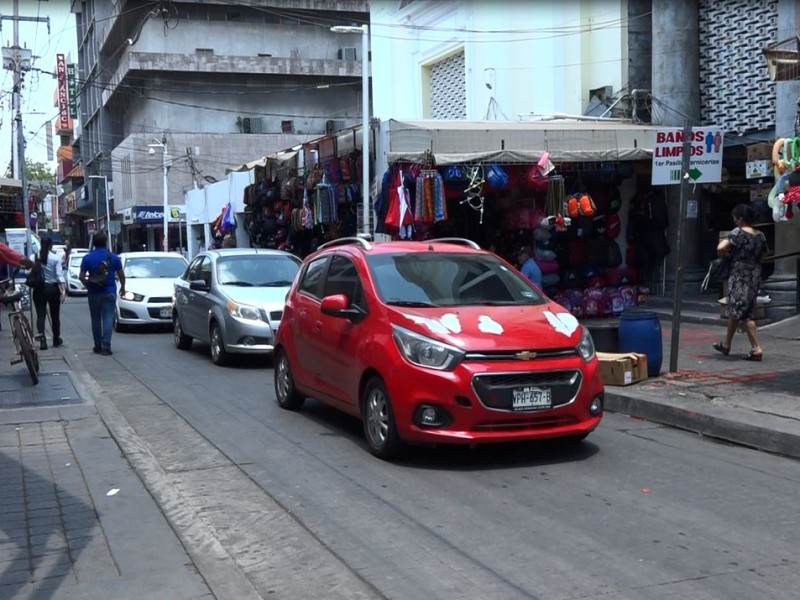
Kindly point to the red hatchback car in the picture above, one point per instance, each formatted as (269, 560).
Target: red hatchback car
(434, 342)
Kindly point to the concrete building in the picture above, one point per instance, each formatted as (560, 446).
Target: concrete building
(194, 88)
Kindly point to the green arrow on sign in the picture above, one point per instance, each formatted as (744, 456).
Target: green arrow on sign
(695, 173)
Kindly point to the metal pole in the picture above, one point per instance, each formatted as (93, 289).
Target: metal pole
(108, 212)
(166, 195)
(367, 209)
(678, 293)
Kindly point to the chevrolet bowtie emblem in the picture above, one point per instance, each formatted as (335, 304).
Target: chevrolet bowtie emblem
(525, 355)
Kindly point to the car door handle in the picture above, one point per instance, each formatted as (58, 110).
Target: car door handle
(317, 326)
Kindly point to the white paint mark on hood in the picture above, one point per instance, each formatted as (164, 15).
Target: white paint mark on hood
(564, 322)
(488, 325)
(446, 324)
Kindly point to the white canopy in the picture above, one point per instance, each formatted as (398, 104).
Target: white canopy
(456, 141)
(278, 157)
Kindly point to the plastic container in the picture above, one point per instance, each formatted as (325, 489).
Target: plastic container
(641, 332)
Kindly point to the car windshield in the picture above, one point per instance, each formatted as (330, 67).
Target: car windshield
(156, 267)
(257, 270)
(441, 279)
(75, 261)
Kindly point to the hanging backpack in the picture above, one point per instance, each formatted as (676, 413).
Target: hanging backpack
(586, 205)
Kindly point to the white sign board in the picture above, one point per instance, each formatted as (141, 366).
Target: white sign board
(705, 162)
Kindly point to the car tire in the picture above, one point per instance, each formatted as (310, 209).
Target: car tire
(219, 356)
(182, 341)
(286, 395)
(380, 429)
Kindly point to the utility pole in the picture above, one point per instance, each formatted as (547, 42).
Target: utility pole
(19, 60)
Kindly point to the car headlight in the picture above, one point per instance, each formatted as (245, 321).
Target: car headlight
(243, 311)
(132, 296)
(426, 352)
(586, 346)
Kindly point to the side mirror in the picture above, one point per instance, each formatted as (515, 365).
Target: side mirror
(338, 305)
(198, 285)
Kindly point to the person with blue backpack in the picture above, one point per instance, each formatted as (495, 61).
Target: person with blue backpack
(99, 269)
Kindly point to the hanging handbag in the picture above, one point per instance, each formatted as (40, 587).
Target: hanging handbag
(35, 279)
(718, 270)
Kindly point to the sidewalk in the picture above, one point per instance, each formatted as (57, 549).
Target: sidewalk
(75, 519)
(755, 404)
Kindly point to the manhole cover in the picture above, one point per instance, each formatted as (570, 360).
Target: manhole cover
(54, 388)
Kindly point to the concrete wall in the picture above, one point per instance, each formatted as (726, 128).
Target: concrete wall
(218, 113)
(561, 52)
(142, 181)
(675, 78)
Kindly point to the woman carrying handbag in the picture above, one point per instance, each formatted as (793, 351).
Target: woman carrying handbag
(744, 247)
(50, 294)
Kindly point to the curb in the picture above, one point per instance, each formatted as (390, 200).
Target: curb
(742, 431)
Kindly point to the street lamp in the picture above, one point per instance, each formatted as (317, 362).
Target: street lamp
(108, 211)
(152, 149)
(364, 31)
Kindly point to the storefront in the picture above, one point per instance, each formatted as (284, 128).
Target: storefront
(143, 227)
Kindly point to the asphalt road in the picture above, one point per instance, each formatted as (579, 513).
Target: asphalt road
(639, 511)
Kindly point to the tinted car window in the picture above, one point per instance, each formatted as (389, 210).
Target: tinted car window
(257, 270)
(167, 267)
(449, 280)
(343, 278)
(312, 277)
(193, 272)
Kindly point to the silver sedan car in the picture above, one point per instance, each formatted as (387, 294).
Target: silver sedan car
(232, 299)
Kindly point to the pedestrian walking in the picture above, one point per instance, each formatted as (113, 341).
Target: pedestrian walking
(744, 247)
(49, 296)
(98, 271)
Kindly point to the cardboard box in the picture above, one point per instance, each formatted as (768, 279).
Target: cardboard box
(759, 151)
(622, 369)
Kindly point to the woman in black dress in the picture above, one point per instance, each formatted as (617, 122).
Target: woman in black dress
(746, 247)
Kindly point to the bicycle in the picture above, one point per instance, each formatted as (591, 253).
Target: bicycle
(21, 330)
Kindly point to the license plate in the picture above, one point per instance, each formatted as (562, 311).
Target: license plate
(524, 398)
(166, 313)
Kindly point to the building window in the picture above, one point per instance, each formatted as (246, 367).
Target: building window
(448, 88)
(287, 126)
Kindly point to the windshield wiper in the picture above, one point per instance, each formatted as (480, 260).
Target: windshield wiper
(239, 283)
(415, 303)
(280, 283)
(492, 302)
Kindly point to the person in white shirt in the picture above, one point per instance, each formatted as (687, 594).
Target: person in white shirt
(50, 294)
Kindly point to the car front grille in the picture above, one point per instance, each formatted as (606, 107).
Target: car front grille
(495, 390)
(165, 300)
(272, 316)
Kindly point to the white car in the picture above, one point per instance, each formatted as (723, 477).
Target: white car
(72, 274)
(149, 278)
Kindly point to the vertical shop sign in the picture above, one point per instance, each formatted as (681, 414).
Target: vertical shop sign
(72, 91)
(63, 95)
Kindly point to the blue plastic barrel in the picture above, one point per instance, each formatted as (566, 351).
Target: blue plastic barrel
(641, 332)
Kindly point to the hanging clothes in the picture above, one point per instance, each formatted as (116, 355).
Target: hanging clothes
(430, 202)
(324, 204)
(406, 229)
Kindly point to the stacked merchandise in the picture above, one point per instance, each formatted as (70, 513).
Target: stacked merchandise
(299, 213)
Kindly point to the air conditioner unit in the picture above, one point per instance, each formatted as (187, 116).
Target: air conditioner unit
(346, 53)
